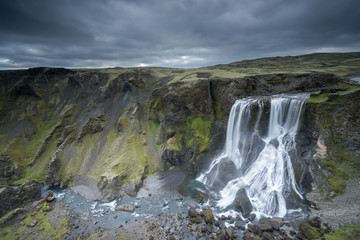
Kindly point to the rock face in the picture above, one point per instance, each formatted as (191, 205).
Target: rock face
(11, 198)
(109, 128)
(242, 203)
(333, 142)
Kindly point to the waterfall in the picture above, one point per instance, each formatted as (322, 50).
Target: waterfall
(256, 157)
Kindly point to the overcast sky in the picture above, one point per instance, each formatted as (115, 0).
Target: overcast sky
(171, 33)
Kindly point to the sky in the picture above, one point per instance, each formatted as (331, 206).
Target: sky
(170, 33)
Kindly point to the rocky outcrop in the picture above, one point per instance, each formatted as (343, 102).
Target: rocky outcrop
(333, 128)
(242, 203)
(11, 198)
(8, 169)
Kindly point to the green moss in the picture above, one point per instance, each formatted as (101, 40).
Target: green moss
(336, 181)
(200, 130)
(318, 99)
(348, 232)
(325, 96)
(50, 231)
(309, 231)
(154, 127)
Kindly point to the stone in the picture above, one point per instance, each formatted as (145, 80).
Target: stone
(230, 232)
(252, 217)
(268, 236)
(220, 235)
(47, 209)
(32, 223)
(265, 225)
(242, 202)
(253, 228)
(277, 222)
(126, 208)
(209, 227)
(195, 219)
(315, 222)
(192, 212)
(209, 217)
(274, 142)
(250, 236)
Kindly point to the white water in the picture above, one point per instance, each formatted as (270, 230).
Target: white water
(258, 143)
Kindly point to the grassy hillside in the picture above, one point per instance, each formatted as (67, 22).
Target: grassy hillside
(343, 64)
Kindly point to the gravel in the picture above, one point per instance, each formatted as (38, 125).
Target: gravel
(343, 209)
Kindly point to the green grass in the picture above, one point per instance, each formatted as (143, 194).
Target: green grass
(349, 232)
(337, 63)
(50, 231)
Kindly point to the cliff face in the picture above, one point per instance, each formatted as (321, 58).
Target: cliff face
(332, 120)
(109, 128)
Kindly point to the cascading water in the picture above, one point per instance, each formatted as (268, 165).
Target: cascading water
(256, 158)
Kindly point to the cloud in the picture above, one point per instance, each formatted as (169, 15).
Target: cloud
(173, 33)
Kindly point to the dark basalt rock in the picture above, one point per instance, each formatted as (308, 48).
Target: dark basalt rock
(8, 168)
(274, 142)
(175, 158)
(242, 203)
(265, 225)
(53, 168)
(277, 222)
(192, 212)
(222, 173)
(11, 198)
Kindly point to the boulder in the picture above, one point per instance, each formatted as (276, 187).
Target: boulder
(32, 223)
(252, 217)
(274, 142)
(265, 225)
(222, 173)
(230, 233)
(192, 211)
(126, 208)
(276, 222)
(49, 197)
(242, 202)
(253, 228)
(209, 217)
(209, 227)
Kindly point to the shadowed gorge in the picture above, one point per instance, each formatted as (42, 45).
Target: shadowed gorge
(252, 140)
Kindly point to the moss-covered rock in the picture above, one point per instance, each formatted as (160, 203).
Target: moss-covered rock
(309, 231)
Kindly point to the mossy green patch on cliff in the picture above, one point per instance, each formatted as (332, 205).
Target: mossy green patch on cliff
(154, 126)
(336, 180)
(200, 129)
(325, 96)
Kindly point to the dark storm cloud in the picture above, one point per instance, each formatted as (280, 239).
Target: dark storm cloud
(175, 33)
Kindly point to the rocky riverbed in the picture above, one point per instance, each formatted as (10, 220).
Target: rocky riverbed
(67, 215)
